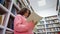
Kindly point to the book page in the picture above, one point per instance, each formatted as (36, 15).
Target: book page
(34, 17)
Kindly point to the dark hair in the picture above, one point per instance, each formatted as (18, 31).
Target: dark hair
(23, 11)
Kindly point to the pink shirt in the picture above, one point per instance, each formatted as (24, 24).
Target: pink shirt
(21, 26)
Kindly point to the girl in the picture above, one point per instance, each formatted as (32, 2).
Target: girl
(21, 26)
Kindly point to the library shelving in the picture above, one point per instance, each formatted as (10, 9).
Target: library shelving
(53, 26)
(40, 27)
(50, 25)
(8, 11)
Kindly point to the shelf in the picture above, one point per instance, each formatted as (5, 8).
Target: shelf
(40, 32)
(40, 28)
(52, 27)
(3, 9)
(1, 27)
(52, 23)
(12, 15)
(51, 16)
(10, 29)
(17, 7)
(53, 31)
(41, 25)
(22, 3)
(52, 19)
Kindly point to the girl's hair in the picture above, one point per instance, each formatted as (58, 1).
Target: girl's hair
(23, 11)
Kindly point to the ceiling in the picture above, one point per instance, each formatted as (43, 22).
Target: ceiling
(50, 4)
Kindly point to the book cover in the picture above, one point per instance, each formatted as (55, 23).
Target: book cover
(35, 17)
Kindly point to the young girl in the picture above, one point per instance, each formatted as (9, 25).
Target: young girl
(21, 26)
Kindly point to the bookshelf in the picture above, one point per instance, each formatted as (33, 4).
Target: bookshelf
(40, 27)
(8, 11)
(48, 25)
(52, 24)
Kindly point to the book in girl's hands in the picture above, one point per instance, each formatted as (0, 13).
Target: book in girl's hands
(35, 17)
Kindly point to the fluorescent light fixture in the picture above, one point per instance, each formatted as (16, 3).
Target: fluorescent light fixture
(41, 3)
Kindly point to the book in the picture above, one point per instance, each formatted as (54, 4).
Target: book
(8, 32)
(14, 11)
(52, 33)
(57, 5)
(48, 33)
(1, 19)
(11, 24)
(19, 4)
(56, 33)
(46, 25)
(15, 1)
(2, 1)
(52, 29)
(35, 17)
(7, 4)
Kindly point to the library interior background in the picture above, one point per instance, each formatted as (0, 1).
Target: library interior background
(49, 10)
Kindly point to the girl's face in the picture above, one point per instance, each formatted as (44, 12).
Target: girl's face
(26, 14)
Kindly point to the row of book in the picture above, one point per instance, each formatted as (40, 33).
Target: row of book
(51, 17)
(8, 32)
(41, 30)
(41, 33)
(53, 29)
(52, 21)
(53, 33)
(52, 25)
(41, 26)
(41, 22)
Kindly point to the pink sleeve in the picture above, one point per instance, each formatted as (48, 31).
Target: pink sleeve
(20, 27)
(30, 25)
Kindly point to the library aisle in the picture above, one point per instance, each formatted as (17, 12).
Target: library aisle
(46, 12)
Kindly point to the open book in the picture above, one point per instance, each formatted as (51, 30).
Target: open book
(34, 17)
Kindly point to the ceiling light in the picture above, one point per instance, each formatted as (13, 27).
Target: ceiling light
(41, 3)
